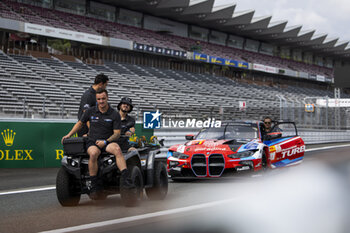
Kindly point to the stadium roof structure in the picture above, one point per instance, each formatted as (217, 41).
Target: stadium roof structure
(225, 18)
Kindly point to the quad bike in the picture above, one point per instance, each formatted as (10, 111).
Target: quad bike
(146, 172)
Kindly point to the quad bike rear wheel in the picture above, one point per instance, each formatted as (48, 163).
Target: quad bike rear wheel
(160, 185)
(132, 197)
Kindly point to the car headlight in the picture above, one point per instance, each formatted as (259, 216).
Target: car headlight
(179, 155)
(173, 164)
(243, 154)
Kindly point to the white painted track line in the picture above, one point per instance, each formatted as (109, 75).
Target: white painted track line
(28, 190)
(139, 217)
(326, 147)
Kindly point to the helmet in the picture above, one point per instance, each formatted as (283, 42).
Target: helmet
(142, 141)
(133, 140)
(126, 100)
(154, 141)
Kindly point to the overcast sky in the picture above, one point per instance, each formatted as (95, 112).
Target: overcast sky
(326, 16)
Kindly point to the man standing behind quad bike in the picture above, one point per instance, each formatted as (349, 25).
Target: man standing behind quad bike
(104, 131)
(88, 99)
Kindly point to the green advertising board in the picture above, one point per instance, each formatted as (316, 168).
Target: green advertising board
(35, 144)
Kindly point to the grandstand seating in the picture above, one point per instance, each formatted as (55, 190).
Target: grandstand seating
(28, 13)
(61, 83)
(30, 85)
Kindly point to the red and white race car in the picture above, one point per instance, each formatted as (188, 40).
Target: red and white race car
(235, 147)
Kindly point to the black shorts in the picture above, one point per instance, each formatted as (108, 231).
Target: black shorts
(91, 142)
(124, 145)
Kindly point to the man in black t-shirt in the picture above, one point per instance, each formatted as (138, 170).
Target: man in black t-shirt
(88, 99)
(127, 123)
(268, 131)
(104, 131)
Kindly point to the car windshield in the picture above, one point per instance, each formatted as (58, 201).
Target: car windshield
(238, 132)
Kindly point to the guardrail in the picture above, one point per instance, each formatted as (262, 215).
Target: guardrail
(174, 136)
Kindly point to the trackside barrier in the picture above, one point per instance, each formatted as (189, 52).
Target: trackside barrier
(174, 136)
(37, 143)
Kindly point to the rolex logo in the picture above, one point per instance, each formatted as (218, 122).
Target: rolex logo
(8, 136)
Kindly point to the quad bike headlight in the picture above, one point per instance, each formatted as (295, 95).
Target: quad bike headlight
(73, 162)
(243, 154)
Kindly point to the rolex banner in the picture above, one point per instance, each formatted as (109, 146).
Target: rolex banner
(37, 144)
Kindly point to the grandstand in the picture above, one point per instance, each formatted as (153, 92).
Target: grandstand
(39, 81)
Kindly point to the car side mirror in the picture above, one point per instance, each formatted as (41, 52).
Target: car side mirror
(161, 142)
(189, 137)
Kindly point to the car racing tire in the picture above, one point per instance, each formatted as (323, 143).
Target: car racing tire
(65, 189)
(264, 165)
(132, 197)
(160, 186)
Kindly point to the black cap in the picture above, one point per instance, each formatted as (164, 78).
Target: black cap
(126, 100)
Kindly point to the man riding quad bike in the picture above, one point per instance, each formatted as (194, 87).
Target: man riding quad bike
(146, 173)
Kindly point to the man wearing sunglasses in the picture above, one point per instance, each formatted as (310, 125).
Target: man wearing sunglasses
(267, 123)
(269, 131)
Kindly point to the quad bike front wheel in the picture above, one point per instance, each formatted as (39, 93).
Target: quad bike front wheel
(66, 189)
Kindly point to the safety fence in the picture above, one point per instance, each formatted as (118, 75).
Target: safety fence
(310, 113)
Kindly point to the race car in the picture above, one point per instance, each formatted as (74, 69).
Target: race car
(235, 147)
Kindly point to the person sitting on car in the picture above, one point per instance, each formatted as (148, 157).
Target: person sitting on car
(268, 131)
(105, 126)
(127, 124)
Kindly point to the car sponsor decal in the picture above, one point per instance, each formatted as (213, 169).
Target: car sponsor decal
(181, 149)
(287, 162)
(195, 142)
(292, 151)
(270, 143)
(248, 146)
(210, 149)
(242, 159)
(244, 168)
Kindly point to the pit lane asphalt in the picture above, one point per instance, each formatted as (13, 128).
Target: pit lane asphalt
(40, 211)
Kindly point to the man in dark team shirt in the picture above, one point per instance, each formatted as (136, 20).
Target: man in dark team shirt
(88, 99)
(104, 131)
(127, 124)
(268, 131)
